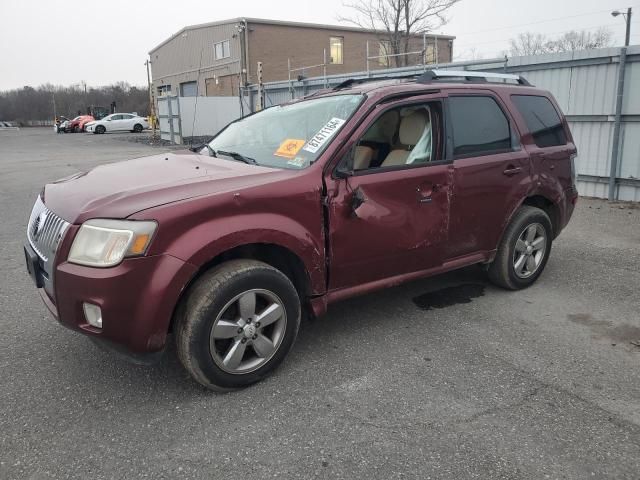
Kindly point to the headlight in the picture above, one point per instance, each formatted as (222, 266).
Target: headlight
(104, 243)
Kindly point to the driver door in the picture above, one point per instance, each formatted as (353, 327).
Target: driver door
(389, 218)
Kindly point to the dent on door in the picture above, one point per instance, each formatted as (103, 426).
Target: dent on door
(382, 229)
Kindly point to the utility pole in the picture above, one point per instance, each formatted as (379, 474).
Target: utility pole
(613, 172)
(261, 102)
(152, 103)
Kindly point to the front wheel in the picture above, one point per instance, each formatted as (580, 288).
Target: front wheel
(524, 249)
(137, 128)
(237, 324)
(99, 129)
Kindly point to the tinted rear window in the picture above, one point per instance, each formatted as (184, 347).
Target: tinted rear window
(542, 120)
(479, 126)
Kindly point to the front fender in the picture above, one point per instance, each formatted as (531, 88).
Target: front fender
(202, 242)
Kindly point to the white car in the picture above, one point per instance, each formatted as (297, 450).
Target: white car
(118, 122)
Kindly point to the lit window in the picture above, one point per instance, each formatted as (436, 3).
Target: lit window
(335, 49)
(385, 51)
(222, 49)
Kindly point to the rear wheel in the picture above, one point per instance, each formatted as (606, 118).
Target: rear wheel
(100, 129)
(76, 129)
(524, 249)
(237, 323)
(137, 128)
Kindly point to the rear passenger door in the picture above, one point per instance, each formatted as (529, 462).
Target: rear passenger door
(491, 171)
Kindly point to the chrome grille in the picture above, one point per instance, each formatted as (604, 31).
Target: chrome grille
(45, 230)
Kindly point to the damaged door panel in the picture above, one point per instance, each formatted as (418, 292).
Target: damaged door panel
(388, 223)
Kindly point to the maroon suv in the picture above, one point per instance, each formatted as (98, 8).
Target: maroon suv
(353, 189)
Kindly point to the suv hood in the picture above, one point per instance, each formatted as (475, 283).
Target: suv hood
(121, 189)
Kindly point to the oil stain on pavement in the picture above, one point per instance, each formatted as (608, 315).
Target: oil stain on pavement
(449, 296)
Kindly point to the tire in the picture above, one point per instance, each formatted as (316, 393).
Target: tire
(524, 249)
(214, 300)
(76, 129)
(99, 129)
(137, 128)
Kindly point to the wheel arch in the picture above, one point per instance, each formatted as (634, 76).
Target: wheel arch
(277, 256)
(549, 207)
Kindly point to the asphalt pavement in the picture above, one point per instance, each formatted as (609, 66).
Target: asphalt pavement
(444, 378)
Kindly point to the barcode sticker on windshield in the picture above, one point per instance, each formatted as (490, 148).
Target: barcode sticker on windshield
(325, 133)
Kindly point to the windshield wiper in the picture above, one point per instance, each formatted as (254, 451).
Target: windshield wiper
(238, 156)
(212, 152)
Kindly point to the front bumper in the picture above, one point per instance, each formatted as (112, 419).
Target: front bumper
(137, 299)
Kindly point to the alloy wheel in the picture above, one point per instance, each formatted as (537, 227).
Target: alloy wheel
(529, 251)
(248, 331)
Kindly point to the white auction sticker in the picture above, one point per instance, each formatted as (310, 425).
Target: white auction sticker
(325, 133)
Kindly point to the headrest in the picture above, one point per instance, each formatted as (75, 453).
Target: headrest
(384, 128)
(411, 127)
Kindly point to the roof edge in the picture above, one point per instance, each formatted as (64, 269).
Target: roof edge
(266, 21)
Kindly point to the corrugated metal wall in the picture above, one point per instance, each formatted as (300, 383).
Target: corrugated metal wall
(584, 83)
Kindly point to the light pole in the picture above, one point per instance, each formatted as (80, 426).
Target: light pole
(613, 172)
(627, 17)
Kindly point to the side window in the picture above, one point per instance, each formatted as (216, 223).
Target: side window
(542, 120)
(479, 127)
(407, 135)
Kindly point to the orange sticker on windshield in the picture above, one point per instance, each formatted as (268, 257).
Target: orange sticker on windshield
(289, 148)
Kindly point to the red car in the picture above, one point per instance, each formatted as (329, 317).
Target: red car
(357, 188)
(77, 124)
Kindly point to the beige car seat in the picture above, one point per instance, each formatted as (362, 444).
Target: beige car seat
(412, 128)
(382, 131)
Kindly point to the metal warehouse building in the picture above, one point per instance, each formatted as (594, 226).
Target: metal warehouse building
(214, 59)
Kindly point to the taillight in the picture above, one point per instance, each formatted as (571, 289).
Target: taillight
(573, 168)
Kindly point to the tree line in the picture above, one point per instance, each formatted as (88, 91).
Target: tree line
(43, 103)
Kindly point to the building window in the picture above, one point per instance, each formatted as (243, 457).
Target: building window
(189, 89)
(164, 90)
(385, 51)
(335, 50)
(222, 49)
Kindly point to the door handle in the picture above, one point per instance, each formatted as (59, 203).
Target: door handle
(425, 194)
(510, 171)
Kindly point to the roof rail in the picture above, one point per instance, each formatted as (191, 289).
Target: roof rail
(353, 81)
(431, 76)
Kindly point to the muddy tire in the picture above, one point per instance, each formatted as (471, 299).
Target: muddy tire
(236, 324)
(524, 249)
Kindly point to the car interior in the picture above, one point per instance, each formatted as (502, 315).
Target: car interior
(407, 135)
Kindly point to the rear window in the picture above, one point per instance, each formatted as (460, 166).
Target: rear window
(542, 120)
(479, 126)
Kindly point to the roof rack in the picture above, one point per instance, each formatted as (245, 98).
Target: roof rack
(432, 76)
(353, 81)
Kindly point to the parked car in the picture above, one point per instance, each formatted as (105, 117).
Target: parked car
(78, 124)
(125, 122)
(357, 188)
(8, 126)
(61, 124)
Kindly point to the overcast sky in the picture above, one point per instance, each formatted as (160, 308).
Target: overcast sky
(101, 42)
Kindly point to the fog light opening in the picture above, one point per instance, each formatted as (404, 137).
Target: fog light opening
(93, 314)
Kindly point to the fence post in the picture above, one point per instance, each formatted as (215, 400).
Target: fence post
(613, 172)
(170, 119)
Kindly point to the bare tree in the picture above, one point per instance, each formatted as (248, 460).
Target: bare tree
(583, 40)
(398, 20)
(529, 43)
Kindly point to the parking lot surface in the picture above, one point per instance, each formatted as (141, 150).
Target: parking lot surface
(447, 377)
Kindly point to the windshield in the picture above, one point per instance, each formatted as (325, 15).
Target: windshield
(289, 136)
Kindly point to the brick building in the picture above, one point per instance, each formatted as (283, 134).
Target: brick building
(214, 59)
